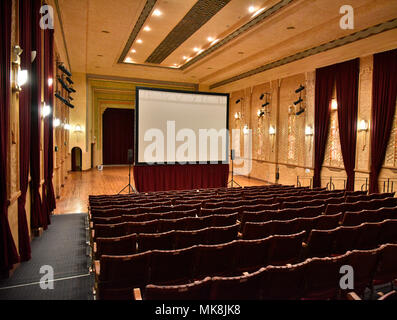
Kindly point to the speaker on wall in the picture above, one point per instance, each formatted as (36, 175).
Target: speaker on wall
(130, 156)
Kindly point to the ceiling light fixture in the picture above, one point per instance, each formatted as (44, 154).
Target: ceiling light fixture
(157, 13)
(184, 58)
(210, 39)
(139, 41)
(258, 12)
(133, 50)
(147, 28)
(196, 49)
(251, 9)
(128, 60)
(215, 41)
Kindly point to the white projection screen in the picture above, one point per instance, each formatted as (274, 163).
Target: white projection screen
(180, 127)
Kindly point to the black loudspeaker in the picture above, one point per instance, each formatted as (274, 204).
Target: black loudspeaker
(130, 156)
(232, 154)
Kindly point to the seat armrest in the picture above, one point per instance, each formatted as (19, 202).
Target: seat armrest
(137, 294)
(97, 266)
(352, 296)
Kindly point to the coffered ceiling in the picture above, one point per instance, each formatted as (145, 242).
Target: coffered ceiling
(208, 42)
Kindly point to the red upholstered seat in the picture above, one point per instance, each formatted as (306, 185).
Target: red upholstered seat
(322, 277)
(159, 241)
(215, 260)
(252, 254)
(125, 245)
(285, 248)
(284, 282)
(247, 287)
(172, 266)
(119, 275)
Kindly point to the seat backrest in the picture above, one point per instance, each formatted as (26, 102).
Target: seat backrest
(143, 227)
(124, 271)
(184, 239)
(156, 241)
(285, 248)
(320, 243)
(125, 245)
(218, 235)
(111, 230)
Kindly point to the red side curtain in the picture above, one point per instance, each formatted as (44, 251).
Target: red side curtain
(46, 209)
(347, 79)
(325, 78)
(36, 216)
(25, 24)
(384, 91)
(8, 250)
(49, 96)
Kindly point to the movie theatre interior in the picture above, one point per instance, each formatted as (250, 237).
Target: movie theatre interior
(203, 150)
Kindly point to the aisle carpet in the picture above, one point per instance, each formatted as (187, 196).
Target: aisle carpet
(63, 247)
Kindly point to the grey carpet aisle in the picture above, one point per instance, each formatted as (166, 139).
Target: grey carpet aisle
(63, 247)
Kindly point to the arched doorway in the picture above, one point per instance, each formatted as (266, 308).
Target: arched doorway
(77, 157)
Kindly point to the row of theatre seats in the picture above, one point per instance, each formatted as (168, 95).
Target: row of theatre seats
(134, 238)
(314, 278)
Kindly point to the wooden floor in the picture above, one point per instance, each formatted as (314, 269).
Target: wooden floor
(79, 185)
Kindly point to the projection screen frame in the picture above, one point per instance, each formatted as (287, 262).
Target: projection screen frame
(136, 135)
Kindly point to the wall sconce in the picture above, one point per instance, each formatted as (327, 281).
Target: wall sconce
(45, 110)
(363, 127)
(20, 77)
(237, 116)
(56, 123)
(50, 82)
(246, 130)
(66, 126)
(272, 133)
(334, 104)
(309, 133)
(78, 128)
(260, 113)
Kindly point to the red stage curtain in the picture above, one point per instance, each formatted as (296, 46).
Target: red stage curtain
(25, 24)
(49, 96)
(118, 135)
(384, 91)
(36, 215)
(150, 178)
(347, 79)
(325, 78)
(8, 250)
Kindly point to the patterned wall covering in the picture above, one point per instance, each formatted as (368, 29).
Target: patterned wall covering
(391, 151)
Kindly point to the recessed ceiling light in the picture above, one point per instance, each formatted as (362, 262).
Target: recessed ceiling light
(251, 9)
(139, 41)
(210, 39)
(128, 60)
(258, 11)
(198, 52)
(196, 49)
(184, 58)
(147, 28)
(157, 12)
(215, 41)
(133, 50)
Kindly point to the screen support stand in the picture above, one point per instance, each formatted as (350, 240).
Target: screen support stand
(129, 186)
(231, 182)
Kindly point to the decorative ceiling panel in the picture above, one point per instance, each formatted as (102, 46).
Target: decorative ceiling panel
(200, 13)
